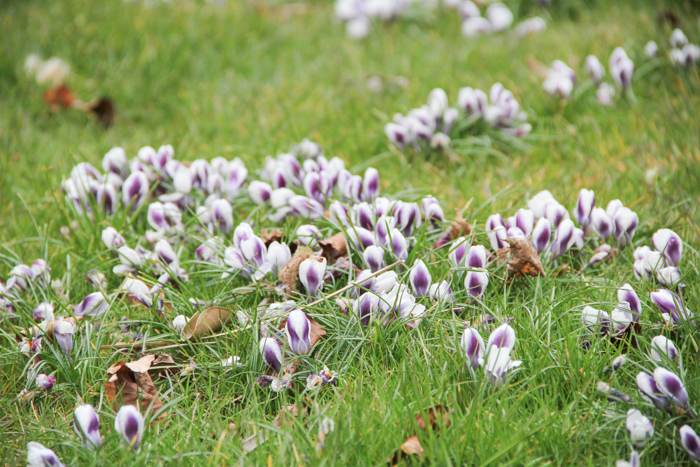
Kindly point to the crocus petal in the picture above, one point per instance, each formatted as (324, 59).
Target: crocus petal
(420, 278)
(130, 425)
(660, 345)
(671, 386)
(502, 337)
(39, 455)
(374, 257)
(690, 442)
(472, 345)
(670, 245)
(649, 390)
(311, 273)
(298, 328)
(541, 235)
(271, 353)
(87, 425)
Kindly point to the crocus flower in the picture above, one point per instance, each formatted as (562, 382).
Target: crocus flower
(115, 161)
(130, 260)
(605, 94)
(298, 329)
(584, 207)
(44, 382)
(621, 68)
(63, 331)
(669, 277)
(374, 257)
(385, 282)
(650, 391)
(370, 184)
(317, 186)
(407, 216)
(222, 215)
(92, 305)
(135, 190)
(339, 213)
(690, 442)
(530, 26)
(612, 394)
(441, 291)
(458, 252)
(678, 38)
(359, 237)
(385, 225)
(626, 294)
(278, 254)
(254, 251)
(476, 257)
(562, 238)
(555, 213)
(271, 353)
(364, 216)
(129, 424)
(472, 27)
(498, 363)
(420, 278)
(472, 101)
(594, 68)
(502, 337)
(639, 427)
(499, 16)
(602, 223)
(382, 206)
(671, 386)
(366, 307)
(602, 253)
(106, 197)
(633, 462)
(671, 305)
(399, 244)
(308, 234)
(651, 50)
(87, 425)
(179, 323)
(496, 231)
(670, 245)
(472, 345)
(43, 312)
(432, 210)
(39, 455)
(595, 319)
(242, 232)
(398, 134)
(475, 282)
(541, 235)
(660, 345)
(111, 238)
(401, 304)
(311, 273)
(259, 191)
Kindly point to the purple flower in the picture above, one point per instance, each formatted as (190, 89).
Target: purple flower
(43, 312)
(556, 213)
(661, 345)
(498, 364)
(44, 382)
(458, 252)
(475, 282)
(298, 330)
(135, 190)
(420, 278)
(602, 223)
(254, 251)
(308, 234)
(496, 231)
(441, 292)
(278, 254)
(370, 184)
(111, 238)
(649, 390)
(384, 226)
(364, 216)
(476, 258)
(129, 424)
(243, 232)
(63, 332)
(525, 221)
(93, 305)
(595, 319)
(363, 285)
(272, 353)
(339, 213)
(399, 245)
(541, 235)
(317, 186)
(165, 251)
(562, 238)
(385, 282)
(472, 345)
(235, 179)
(502, 337)
(671, 386)
(222, 215)
(539, 202)
(690, 442)
(621, 68)
(634, 458)
(311, 273)
(432, 210)
(359, 237)
(601, 254)
(626, 294)
(639, 427)
(366, 307)
(306, 207)
(398, 134)
(671, 305)
(670, 277)
(594, 68)
(87, 425)
(39, 455)
(259, 191)
(670, 245)
(106, 197)
(374, 257)
(626, 222)
(115, 161)
(407, 216)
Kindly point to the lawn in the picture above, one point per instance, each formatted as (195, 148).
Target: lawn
(251, 79)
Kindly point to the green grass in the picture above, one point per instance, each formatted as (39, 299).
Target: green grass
(249, 79)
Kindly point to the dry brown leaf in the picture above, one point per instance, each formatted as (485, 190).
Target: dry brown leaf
(270, 236)
(59, 96)
(523, 260)
(412, 446)
(289, 273)
(128, 383)
(207, 322)
(103, 109)
(433, 414)
(334, 248)
(163, 364)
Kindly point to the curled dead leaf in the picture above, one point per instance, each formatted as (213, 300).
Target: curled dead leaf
(268, 237)
(289, 273)
(409, 447)
(127, 383)
(522, 258)
(207, 322)
(103, 109)
(59, 97)
(334, 247)
(434, 413)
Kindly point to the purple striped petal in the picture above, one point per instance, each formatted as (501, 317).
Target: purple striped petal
(366, 307)
(298, 330)
(87, 426)
(472, 345)
(502, 337)
(420, 278)
(311, 273)
(476, 258)
(370, 184)
(271, 353)
(459, 251)
(525, 221)
(670, 245)
(626, 294)
(690, 442)
(475, 282)
(374, 257)
(671, 386)
(364, 216)
(649, 390)
(584, 207)
(541, 235)
(129, 423)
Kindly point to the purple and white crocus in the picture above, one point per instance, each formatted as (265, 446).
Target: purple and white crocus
(298, 329)
(87, 425)
(130, 425)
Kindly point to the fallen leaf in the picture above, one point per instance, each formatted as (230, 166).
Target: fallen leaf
(433, 414)
(412, 446)
(103, 109)
(207, 322)
(522, 258)
(334, 247)
(130, 382)
(270, 236)
(249, 444)
(59, 96)
(289, 273)
(163, 364)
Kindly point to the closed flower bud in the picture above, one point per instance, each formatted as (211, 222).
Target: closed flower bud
(222, 215)
(93, 305)
(179, 323)
(651, 50)
(670, 245)
(496, 231)
(639, 427)
(366, 308)
(672, 387)
(115, 161)
(87, 425)
(298, 329)
(499, 16)
(476, 282)
(130, 425)
(594, 68)
(39, 455)
(311, 274)
(472, 344)
(135, 190)
(364, 216)
(690, 442)
(420, 278)
(271, 353)
(111, 238)
(562, 238)
(472, 27)
(541, 235)
(458, 252)
(441, 292)
(374, 257)
(399, 245)
(661, 348)
(259, 191)
(44, 382)
(370, 184)
(63, 332)
(584, 207)
(308, 234)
